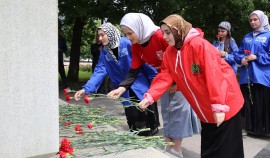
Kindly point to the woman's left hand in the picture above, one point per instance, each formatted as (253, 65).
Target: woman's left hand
(219, 117)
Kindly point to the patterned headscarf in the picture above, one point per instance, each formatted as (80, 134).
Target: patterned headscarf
(179, 27)
(141, 24)
(263, 20)
(113, 36)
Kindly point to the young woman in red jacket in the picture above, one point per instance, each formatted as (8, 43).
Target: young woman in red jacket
(208, 83)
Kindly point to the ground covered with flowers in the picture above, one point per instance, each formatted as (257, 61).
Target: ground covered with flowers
(89, 130)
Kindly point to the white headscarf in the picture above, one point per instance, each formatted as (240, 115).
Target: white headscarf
(263, 20)
(141, 24)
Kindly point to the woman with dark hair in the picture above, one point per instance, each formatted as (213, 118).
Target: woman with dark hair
(226, 44)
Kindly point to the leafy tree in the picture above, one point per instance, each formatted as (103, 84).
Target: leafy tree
(208, 14)
(80, 18)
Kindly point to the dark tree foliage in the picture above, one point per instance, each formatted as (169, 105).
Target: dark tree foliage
(79, 19)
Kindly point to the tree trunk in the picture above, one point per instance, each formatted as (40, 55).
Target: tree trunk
(73, 71)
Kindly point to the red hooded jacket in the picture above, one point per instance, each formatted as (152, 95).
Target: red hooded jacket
(201, 75)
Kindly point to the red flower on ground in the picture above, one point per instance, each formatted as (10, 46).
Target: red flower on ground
(67, 124)
(66, 91)
(65, 147)
(86, 99)
(78, 129)
(63, 154)
(90, 126)
(68, 98)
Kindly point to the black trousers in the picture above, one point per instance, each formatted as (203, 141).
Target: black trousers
(257, 115)
(137, 119)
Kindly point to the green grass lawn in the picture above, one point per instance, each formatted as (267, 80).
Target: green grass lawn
(84, 76)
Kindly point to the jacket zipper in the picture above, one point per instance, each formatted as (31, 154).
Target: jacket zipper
(197, 104)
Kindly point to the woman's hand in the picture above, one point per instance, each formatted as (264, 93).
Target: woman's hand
(244, 62)
(114, 94)
(79, 94)
(144, 104)
(219, 117)
(251, 57)
(223, 53)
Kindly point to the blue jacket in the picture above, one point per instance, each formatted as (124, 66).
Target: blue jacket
(259, 69)
(117, 71)
(230, 56)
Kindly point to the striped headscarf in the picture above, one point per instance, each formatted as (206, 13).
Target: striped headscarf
(113, 36)
(179, 27)
(141, 24)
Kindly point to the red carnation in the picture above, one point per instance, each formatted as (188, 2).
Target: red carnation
(218, 35)
(247, 52)
(90, 126)
(67, 124)
(68, 98)
(86, 99)
(78, 129)
(66, 91)
(63, 154)
(65, 147)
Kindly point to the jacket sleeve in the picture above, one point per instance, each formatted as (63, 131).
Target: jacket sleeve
(162, 81)
(211, 63)
(234, 49)
(239, 55)
(130, 78)
(97, 78)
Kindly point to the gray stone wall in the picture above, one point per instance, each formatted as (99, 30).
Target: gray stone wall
(28, 78)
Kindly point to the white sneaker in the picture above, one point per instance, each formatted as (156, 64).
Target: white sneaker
(178, 154)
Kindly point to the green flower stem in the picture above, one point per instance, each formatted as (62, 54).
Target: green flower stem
(249, 88)
(134, 102)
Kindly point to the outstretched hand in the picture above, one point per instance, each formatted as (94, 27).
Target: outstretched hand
(219, 117)
(144, 104)
(79, 94)
(115, 94)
